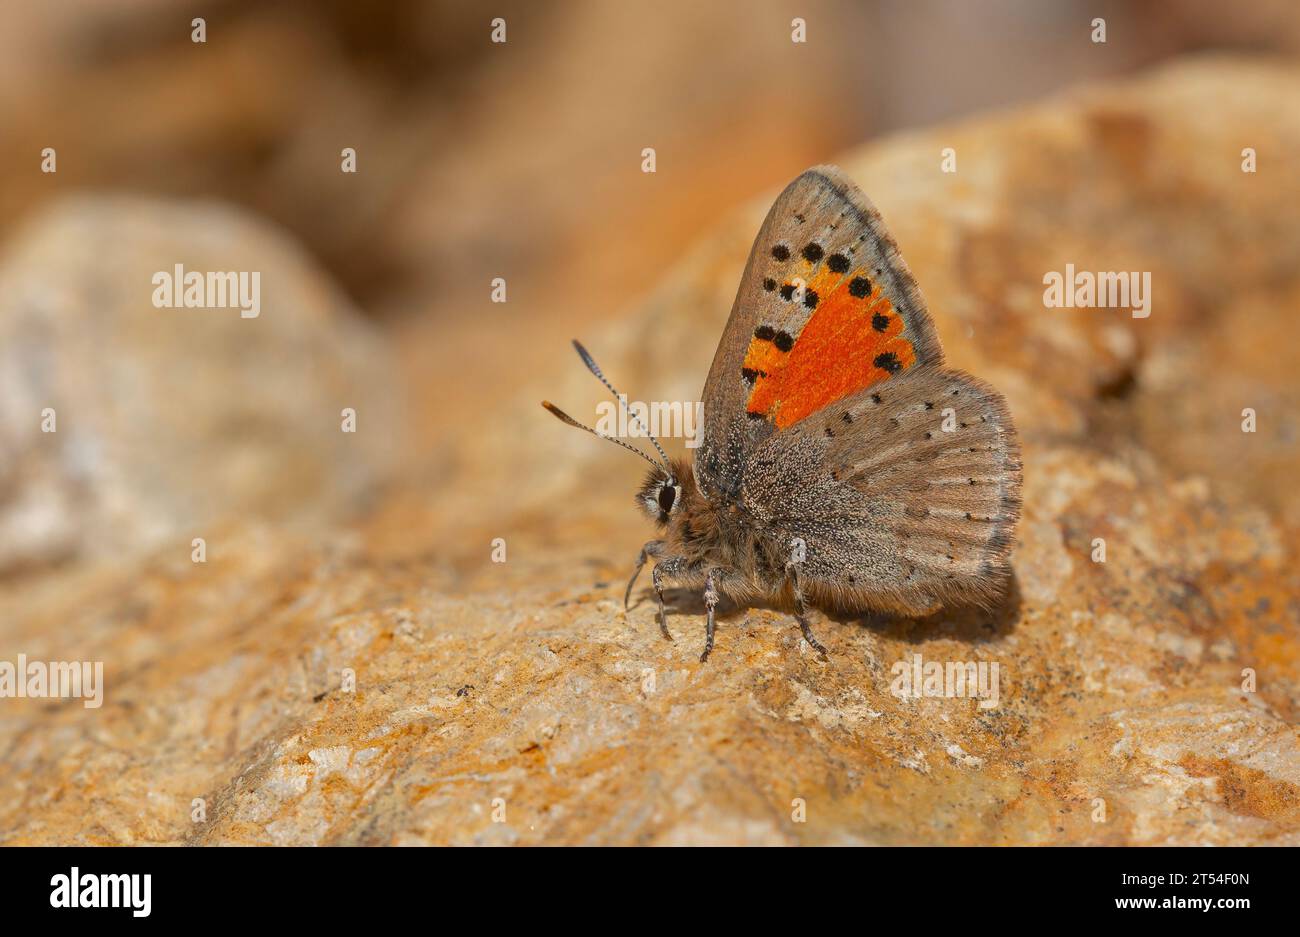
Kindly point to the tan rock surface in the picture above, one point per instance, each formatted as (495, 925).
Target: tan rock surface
(1122, 715)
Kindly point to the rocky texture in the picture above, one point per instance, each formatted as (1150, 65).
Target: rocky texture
(166, 419)
(1123, 717)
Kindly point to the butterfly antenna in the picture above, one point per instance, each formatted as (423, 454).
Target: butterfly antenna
(565, 418)
(622, 402)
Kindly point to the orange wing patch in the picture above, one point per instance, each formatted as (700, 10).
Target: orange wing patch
(852, 341)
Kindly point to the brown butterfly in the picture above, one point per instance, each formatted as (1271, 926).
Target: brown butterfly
(841, 464)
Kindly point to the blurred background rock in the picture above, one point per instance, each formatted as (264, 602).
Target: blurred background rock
(479, 160)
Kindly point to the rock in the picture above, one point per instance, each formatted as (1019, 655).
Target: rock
(515, 703)
(170, 419)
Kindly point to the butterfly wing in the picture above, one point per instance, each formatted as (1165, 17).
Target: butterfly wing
(830, 419)
(826, 309)
(905, 496)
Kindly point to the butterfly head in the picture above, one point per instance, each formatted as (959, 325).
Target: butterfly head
(663, 492)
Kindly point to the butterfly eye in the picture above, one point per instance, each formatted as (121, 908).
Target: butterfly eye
(667, 495)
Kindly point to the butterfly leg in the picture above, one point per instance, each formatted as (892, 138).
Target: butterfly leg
(800, 610)
(657, 577)
(807, 633)
(652, 548)
(710, 603)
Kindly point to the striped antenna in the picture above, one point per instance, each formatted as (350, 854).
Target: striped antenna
(594, 368)
(565, 418)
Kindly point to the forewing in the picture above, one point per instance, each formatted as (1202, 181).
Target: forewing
(826, 309)
(905, 495)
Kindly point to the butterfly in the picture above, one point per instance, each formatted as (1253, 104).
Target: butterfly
(841, 465)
